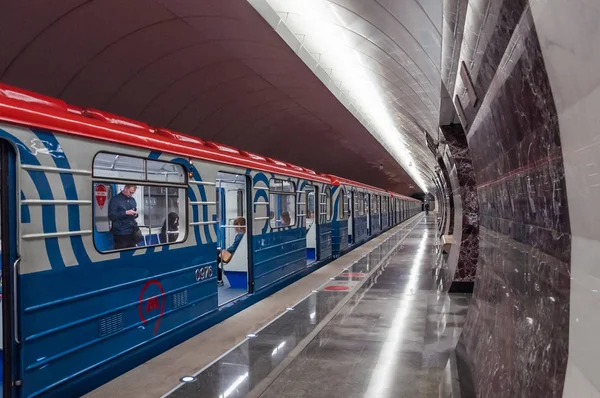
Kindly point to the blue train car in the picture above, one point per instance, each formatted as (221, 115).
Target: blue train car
(385, 213)
(110, 234)
(340, 236)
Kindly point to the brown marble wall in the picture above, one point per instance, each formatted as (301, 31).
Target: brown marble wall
(516, 334)
(469, 220)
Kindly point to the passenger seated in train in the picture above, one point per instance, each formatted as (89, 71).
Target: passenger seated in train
(240, 224)
(285, 219)
(310, 219)
(170, 229)
(122, 211)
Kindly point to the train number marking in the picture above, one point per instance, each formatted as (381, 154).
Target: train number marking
(204, 273)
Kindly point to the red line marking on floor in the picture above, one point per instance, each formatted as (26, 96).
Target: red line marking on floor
(337, 288)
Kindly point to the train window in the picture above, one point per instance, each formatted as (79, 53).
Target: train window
(348, 205)
(310, 203)
(360, 203)
(148, 209)
(165, 172)
(325, 207)
(282, 203)
(119, 166)
(329, 203)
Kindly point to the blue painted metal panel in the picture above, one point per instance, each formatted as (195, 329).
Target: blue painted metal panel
(277, 254)
(237, 279)
(64, 312)
(385, 221)
(339, 237)
(360, 229)
(375, 224)
(325, 249)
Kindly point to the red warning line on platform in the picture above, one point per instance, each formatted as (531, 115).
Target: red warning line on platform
(149, 303)
(337, 288)
(353, 275)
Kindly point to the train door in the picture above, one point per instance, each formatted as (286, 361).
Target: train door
(311, 224)
(368, 212)
(389, 211)
(234, 277)
(10, 272)
(350, 198)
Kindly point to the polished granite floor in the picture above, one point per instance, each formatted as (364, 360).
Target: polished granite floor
(391, 336)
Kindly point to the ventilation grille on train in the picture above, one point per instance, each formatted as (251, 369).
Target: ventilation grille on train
(111, 324)
(180, 299)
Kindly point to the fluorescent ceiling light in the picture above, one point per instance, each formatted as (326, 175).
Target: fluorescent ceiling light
(325, 38)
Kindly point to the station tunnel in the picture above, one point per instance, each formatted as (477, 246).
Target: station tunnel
(484, 110)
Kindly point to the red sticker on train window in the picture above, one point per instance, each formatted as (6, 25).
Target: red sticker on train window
(101, 194)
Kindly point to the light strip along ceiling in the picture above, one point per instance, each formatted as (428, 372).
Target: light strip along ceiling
(381, 82)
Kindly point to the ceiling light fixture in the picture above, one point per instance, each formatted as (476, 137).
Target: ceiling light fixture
(326, 41)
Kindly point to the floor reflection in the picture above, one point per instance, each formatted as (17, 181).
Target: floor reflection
(392, 334)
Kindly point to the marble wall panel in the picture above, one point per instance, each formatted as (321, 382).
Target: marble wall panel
(569, 33)
(467, 220)
(517, 330)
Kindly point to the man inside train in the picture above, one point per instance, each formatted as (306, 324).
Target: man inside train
(240, 230)
(122, 211)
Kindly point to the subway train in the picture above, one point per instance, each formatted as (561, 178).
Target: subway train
(80, 306)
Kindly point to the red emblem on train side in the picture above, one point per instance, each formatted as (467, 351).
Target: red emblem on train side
(100, 194)
(151, 304)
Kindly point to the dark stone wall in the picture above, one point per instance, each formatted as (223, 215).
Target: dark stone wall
(469, 236)
(516, 334)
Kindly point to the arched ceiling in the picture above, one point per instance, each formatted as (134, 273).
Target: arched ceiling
(217, 70)
(384, 57)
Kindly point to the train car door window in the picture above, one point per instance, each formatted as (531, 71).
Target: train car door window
(351, 197)
(342, 204)
(233, 278)
(325, 207)
(311, 224)
(138, 202)
(368, 212)
(282, 203)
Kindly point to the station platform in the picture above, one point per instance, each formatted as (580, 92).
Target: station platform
(372, 323)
